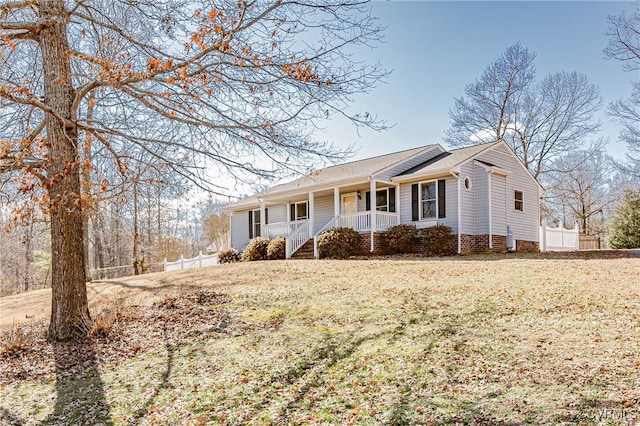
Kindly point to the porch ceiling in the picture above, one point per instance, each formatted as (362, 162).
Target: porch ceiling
(302, 196)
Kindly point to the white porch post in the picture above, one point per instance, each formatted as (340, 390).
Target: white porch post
(311, 215)
(336, 201)
(372, 206)
(262, 219)
(397, 202)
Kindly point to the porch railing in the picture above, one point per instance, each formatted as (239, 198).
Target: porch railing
(281, 229)
(297, 238)
(385, 220)
(360, 221)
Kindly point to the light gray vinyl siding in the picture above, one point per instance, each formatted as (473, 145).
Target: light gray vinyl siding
(406, 165)
(481, 200)
(467, 200)
(277, 213)
(323, 212)
(239, 230)
(498, 205)
(524, 225)
(451, 206)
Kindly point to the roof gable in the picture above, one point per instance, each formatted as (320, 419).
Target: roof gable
(446, 161)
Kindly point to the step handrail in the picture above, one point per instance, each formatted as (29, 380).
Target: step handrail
(296, 239)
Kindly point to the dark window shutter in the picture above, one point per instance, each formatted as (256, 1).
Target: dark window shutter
(367, 196)
(250, 224)
(414, 202)
(392, 200)
(292, 210)
(442, 209)
(266, 216)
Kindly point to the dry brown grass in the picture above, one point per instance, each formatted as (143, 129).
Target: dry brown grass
(526, 339)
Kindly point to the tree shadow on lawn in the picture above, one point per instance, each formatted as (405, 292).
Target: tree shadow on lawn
(80, 396)
(328, 354)
(164, 380)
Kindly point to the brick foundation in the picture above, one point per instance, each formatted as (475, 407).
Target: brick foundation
(365, 247)
(468, 244)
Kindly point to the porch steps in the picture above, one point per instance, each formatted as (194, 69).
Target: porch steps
(304, 252)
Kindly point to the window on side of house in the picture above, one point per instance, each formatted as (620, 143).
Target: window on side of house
(428, 200)
(254, 223)
(519, 200)
(299, 210)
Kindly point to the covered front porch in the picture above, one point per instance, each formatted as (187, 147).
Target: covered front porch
(365, 206)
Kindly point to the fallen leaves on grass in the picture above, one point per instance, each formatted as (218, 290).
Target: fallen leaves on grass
(121, 332)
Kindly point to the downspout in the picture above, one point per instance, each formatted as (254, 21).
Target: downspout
(459, 213)
(490, 213)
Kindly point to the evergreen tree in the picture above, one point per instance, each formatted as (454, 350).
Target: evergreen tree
(624, 228)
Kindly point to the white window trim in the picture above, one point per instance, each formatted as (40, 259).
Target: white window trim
(376, 199)
(295, 210)
(254, 223)
(514, 200)
(464, 182)
(427, 219)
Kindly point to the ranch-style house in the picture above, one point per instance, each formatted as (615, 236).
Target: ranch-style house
(481, 192)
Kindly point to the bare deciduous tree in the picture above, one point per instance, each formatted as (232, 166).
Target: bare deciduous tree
(585, 191)
(235, 84)
(542, 121)
(624, 45)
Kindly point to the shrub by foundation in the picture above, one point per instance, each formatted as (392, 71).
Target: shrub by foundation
(401, 238)
(438, 241)
(256, 249)
(276, 249)
(228, 255)
(339, 243)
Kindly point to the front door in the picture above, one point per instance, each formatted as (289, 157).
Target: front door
(349, 203)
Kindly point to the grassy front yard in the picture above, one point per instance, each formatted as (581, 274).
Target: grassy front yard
(492, 340)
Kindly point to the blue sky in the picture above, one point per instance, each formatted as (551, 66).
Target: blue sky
(436, 48)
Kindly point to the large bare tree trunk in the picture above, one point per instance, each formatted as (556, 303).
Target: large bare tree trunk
(69, 308)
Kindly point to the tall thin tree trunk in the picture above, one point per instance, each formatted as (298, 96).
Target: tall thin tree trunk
(69, 308)
(137, 264)
(28, 256)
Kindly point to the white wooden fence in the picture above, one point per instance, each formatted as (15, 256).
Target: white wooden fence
(196, 262)
(560, 238)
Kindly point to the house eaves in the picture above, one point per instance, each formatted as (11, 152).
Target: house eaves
(305, 184)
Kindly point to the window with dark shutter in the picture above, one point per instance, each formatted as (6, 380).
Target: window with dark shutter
(367, 197)
(250, 225)
(414, 202)
(292, 212)
(442, 210)
(266, 216)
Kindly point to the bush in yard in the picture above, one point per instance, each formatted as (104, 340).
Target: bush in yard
(256, 249)
(276, 249)
(438, 241)
(401, 238)
(228, 255)
(624, 226)
(339, 243)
